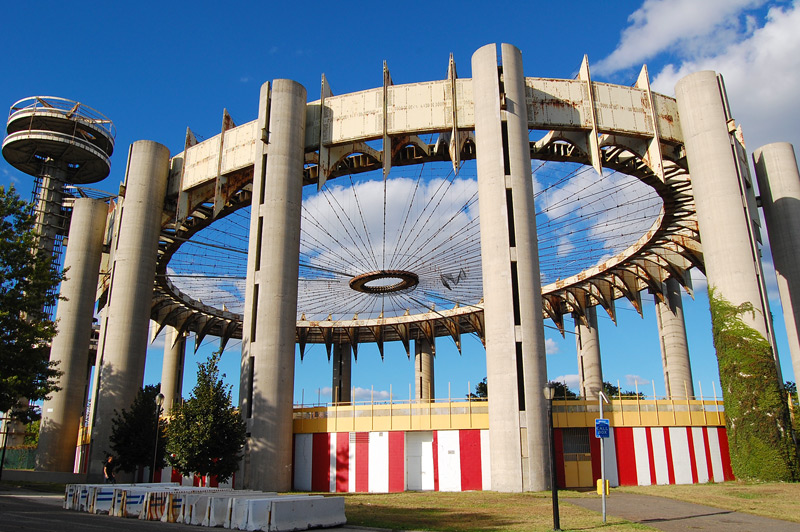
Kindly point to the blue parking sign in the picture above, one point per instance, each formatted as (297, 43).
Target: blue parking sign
(601, 428)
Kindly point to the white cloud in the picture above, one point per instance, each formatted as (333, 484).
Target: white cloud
(550, 346)
(366, 394)
(762, 78)
(571, 381)
(684, 26)
(634, 380)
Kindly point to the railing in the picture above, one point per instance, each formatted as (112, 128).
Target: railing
(465, 414)
(69, 108)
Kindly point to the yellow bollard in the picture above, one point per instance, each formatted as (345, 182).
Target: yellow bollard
(600, 487)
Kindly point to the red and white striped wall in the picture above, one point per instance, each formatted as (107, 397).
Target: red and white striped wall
(458, 460)
(671, 455)
(381, 462)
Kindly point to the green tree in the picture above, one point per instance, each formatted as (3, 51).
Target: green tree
(133, 432)
(756, 411)
(206, 434)
(481, 391)
(613, 392)
(27, 286)
(561, 390)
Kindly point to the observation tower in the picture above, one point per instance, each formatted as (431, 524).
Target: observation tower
(58, 142)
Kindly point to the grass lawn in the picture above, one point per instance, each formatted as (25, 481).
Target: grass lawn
(768, 499)
(474, 511)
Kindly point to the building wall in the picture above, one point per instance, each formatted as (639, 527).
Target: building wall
(458, 460)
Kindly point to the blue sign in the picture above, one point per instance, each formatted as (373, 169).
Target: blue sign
(601, 428)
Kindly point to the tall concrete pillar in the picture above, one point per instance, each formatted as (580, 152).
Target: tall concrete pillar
(515, 352)
(172, 368)
(726, 226)
(124, 327)
(590, 370)
(342, 366)
(674, 346)
(62, 413)
(268, 343)
(49, 213)
(779, 184)
(423, 371)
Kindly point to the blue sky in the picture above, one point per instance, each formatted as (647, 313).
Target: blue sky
(156, 68)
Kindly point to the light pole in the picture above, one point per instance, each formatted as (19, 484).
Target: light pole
(159, 402)
(549, 390)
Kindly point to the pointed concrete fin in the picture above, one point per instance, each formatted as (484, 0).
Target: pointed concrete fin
(302, 337)
(352, 335)
(324, 134)
(454, 328)
(593, 141)
(387, 142)
(327, 336)
(404, 332)
(377, 332)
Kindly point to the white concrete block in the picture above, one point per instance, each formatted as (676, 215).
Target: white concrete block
(301, 514)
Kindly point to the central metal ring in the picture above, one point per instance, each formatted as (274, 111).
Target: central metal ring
(361, 283)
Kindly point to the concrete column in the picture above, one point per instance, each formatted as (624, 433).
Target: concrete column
(423, 371)
(124, 327)
(729, 249)
(268, 344)
(779, 184)
(49, 210)
(172, 368)
(674, 346)
(342, 365)
(62, 413)
(515, 353)
(590, 369)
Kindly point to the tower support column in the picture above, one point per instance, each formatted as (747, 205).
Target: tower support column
(172, 368)
(721, 188)
(423, 370)
(62, 413)
(124, 328)
(268, 343)
(590, 369)
(342, 366)
(779, 184)
(515, 352)
(673, 343)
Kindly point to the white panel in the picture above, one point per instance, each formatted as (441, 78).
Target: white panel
(332, 476)
(418, 106)
(659, 455)
(486, 462)
(351, 462)
(557, 103)
(465, 107)
(681, 461)
(303, 451)
(356, 116)
(609, 450)
(641, 453)
(669, 127)
(716, 454)
(379, 462)
(622, 109)
(449, 460)
(419, 461)
(699, 451)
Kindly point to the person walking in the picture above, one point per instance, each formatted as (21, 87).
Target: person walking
(108, 470)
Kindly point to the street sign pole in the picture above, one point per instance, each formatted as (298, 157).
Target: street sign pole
(601, 397)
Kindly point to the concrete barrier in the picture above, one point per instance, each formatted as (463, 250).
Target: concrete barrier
(220, 506)
(297, 514)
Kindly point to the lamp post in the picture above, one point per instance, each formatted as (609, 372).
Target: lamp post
(549, 391)
(159, 402)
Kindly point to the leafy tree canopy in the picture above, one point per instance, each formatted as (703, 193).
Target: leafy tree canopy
(27, 286)
(561, 390)
(207, 434)
(481, 391)
(613, 392)
(133, 432)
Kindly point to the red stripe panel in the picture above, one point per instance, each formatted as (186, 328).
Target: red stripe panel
(342, 461)
(435, 460)
(558, 443)
(397, 461)
(626, 458)
(651, 454)
(594, 448)
(321, 462)
(668, 446)
(176, 476)
(362, 462)
(707, 447)
(469, 443)
(725, 453)
(692, 458)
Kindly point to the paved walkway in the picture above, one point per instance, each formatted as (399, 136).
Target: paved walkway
(672, 515)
